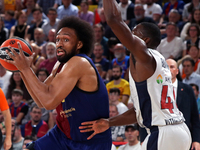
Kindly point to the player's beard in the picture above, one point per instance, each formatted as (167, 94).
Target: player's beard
(67, 56)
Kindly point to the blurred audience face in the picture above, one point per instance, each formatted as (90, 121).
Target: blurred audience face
(197, 16)
(116, 73)
(98, 34)
(36, 115)
(37, 15)
(42, 76)
(30, 4)
(173, 67)
(84, 7)
(17, 98)
(193, 32)
(139, 11)
(98, 51)
(171, 30)
(113, 111)
(124, 2)
(193, 52)
(113, 97)
(196, 93)
(39, 35)
(16, 77)
(22, 18)
(173, 17)
(131, 135)
(52, 15)
(102, 15)
(52, 35)
(51, 51)
(119, 51)
(54, 113)
(188, 68)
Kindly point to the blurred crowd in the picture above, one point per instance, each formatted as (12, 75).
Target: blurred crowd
(36, 21)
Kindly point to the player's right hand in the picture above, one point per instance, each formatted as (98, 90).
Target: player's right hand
(97, 126)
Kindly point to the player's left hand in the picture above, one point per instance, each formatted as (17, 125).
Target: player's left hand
(195, 146)
(19, 60)
(97, 126)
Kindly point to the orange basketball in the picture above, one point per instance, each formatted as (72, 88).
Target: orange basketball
(26, 47)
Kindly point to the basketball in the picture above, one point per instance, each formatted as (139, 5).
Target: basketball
(26, 47)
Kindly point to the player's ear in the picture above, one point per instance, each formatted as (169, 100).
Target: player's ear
(79, 45)
(147, 40)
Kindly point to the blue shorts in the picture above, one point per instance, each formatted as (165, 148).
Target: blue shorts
(55, 139)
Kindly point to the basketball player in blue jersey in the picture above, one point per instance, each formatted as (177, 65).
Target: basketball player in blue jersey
(150, 85)
(74, 88)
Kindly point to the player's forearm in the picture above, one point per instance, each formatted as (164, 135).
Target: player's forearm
(39, 89)
(129, 117)
(7, 118)
(112, 13)
(31, 92)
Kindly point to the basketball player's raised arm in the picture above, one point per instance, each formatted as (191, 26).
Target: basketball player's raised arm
(134, 44)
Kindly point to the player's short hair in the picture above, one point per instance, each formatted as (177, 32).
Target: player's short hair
(151, 31)
(83, 30)
(189, 59)
(114, 90)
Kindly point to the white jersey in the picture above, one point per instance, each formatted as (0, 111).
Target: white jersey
(153, 98)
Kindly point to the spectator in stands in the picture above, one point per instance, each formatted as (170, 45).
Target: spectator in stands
(196, 93)
(51, 57)
(42, 74)
(120, 83)
(17, 139)
(37, 58)
(39, 36)
(116, 131)
(194, 54)
(152, 10)
(139, 12)
(67, 9)
(9, 20)
(4, 33)
(16, 82)
(27, 139)
(46, 4)
(54, 113)
(111, 44)
(84, 12)
(52, 23)
(171, 46)
(174, 17)
(131, 134)
(195, 18)
(108, 32)
(114, 96)
(191, 76)
(100, 38)
(171, 4)
(188, 8)
(51, 38)
(98, 58)
(121, 59)
(18, 108)
(127, 9)
(4, 79)
(30, 6)
(21, 29)
(36, 127)
(37, 15)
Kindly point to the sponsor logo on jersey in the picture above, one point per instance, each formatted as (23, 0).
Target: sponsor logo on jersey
(159, 79)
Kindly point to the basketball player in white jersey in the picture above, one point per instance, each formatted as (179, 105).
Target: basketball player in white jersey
(151, 88)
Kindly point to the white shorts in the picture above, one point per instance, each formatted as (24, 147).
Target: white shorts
(169, 137)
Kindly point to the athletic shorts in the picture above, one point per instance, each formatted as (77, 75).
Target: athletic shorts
(169, 137)
(55, 139)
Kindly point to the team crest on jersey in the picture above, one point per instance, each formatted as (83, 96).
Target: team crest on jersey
(159, 79)
(63, 100)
